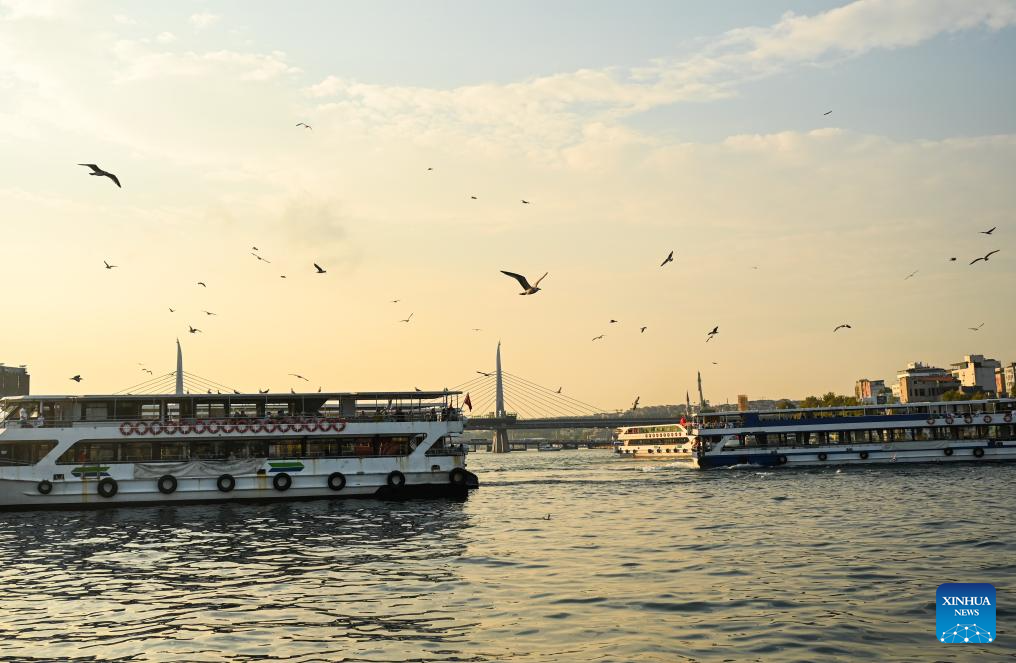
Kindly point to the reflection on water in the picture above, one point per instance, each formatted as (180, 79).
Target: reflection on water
(637, 561)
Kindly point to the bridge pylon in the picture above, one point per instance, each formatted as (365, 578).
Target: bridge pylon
(500, 444)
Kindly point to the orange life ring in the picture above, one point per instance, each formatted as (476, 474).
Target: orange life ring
(152, 428)
(141, 428)
(126, 428)
(968, 418)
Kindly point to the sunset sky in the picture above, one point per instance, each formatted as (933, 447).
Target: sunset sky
(632, 128)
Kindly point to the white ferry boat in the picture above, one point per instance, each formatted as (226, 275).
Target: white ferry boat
(939, 432)
(84, 451)
(659, 442)
(915, 433)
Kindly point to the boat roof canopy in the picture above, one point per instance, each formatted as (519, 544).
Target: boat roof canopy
(856, 408)
(247, 398)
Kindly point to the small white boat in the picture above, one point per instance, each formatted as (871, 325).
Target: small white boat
(550, 446)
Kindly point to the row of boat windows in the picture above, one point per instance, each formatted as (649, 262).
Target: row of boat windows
(655, 429)
(885, 435)
(25, 453)
(665, 440)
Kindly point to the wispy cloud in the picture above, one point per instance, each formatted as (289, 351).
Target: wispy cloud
(204, 20)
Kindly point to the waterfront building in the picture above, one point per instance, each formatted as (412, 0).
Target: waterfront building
(919, 382)
(977, 372)
(13, 381)
(742, 402)
(1000, 383)
(869, 391)
(1009, 372)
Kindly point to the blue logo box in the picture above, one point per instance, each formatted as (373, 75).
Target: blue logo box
(965, 612)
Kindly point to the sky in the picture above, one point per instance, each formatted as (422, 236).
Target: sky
(633, 129)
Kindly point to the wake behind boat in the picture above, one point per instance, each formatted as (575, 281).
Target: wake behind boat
(940, 432)
(72, 451)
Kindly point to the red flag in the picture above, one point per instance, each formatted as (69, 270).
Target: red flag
(468, 403)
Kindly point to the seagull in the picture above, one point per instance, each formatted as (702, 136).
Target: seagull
(260, 258)
(291, 390)
(598, 337)
(476, 329)
(396, 301)
(77, 378)
(172, 310)
(100, 172)
(547, 517)
(407, 319)
(297, 375)
(643, 330)
(304, 125)
(486, 375)
(714, 332)
(255, 248)
(977, 328)
(262, 391)
(988, 232)
(202, 284)
(525, 202)
(827, 112)
(952, 259)
(473, 197)
(669, 258)
(193, 330)
(911, 274)
(635, 405)
(319, 269)
(235, 391)
(843, 326)
(612, 321)
(147, 370)
(526, 288)
(430, 168)
(282, 276)
(207, 312)
(985, 258)
(559, 390)
(417, 388)
(109, 266)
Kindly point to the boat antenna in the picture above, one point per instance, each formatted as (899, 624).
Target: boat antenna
(179, 369)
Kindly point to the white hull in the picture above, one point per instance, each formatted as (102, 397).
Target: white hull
(862, 454)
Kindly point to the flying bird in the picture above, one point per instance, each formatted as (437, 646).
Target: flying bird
(952, 259)
(714, 332)
(559, 390)
(911, 274)
(525, 202)
(396, 301)
(635, 404)
(260, 258)
(262, 391)
(985, 258)
(430, 168)
(296, 375)
(109, 266)
(282, 276)
(827, 112)
(988, 232)
(669, 258)
(304, 125)
(147, 370)
(643, 330)
(598, 337)
(77, 378)
(843, 326)
(172, 310)
(473, 197)
(319, 269)
(202, 284)
(977, 328)
(476, 329)
(254, 248)
(407, 319)
(612, 321)
(193, 330)
(99, 172)
(486, 375)
(526, 288)
(207, 312)
(417, 389)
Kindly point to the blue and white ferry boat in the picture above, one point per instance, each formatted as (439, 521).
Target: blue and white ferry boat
(117, 450)
(934, 432)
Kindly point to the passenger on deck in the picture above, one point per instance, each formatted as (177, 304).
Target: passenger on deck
(23, 416)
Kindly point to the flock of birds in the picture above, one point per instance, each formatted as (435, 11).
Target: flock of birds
(527, 287)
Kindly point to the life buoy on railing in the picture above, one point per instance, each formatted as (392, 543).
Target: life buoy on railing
(823, 456)
(338, 425)
(931, 421)
(270, 427)
(155, 428)
(1007, 418)
(186, 429)
(948, 451)
(227, 427)
(44, 487)
(141, 428)
(257, 427)
(948, 419)
(107, 487)
(311, 426)
(201, 428)
(986, 418)
(967, 418)
(170, 428)
(284, 426)
(242, 427)
(126, 428)
(978, 452)
(336, 481)
(213, 427)
(325, 425)
(167, 484)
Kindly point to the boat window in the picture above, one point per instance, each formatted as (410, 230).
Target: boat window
(25, 452)
(968, 432)
(922, 434)
(96, 412)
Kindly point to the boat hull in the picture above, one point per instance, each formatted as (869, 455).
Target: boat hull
(862, 454)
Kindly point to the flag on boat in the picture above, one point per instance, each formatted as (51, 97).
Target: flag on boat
(468, 403)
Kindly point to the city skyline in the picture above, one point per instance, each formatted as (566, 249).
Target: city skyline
(702, 132)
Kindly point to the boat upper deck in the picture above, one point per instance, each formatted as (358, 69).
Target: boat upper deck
(853, 415)
(66, 411)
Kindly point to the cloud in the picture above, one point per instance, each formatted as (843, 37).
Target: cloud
(139, 62)
(33, 9)
(165, 38)
(123, 19)
(203, 20)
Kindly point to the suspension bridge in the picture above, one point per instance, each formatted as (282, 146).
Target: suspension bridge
(503, 401)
